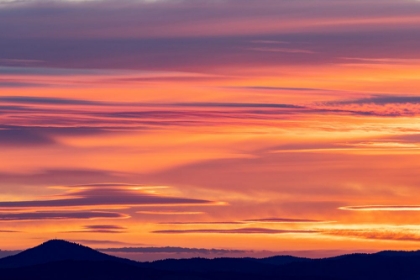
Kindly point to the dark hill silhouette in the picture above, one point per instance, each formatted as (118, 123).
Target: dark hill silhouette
(108, 270)
(280, 260)
(58, 259)
(243, 265)
(399, 253)
(356, 266)
(56, 250)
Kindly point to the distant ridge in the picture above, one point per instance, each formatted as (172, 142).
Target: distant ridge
(63, 260)
(56, 250)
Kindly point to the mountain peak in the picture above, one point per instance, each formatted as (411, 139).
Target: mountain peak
(52, 251)
(60, 243)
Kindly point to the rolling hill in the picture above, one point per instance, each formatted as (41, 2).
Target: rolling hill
(59, 259)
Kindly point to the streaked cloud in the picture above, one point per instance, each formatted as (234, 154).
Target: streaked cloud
(100, 229)
(59, 215)
(158, 212)
(56, 177)
(103, 197)
(97, 242)
(381, 100)
(379, 234)
(235, 231)
(203, 223)
(177, 250)
(34, 100)
(382, 208)
(23, 137)
(286, 221)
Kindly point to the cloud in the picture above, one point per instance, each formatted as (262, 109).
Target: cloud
(100, 242)
(50, 71)
(100, 229)
(106, 196)
(59, 215)
(170, 212)
(109, 34)
(202, 223)
(268, 88)
(285, 50)
(23, 137)
(238, 105)
(386, 61)
(46, 100)
(176, 250)
(285, 220)
(382, 234)
(384, 145)
(380, 100)
(45, 124)
(67, 101)
(237, 17)
(59, 177)
(234, 231)
(44, 135)
(375, 105)
(381, 208)
(264, 220)
(30, 124)
(12, 84)
(105, 227)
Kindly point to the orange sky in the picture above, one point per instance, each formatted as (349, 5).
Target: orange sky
(281, 127)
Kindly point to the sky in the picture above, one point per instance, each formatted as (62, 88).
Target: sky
(227, 126)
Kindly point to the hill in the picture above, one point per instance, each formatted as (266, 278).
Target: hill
(59, 259)
(54, 251)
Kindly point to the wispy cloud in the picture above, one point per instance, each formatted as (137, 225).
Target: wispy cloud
(162, 212)
(235, 231)
(110, 196)
(176, 250)
(380, 100)
(36, 100)
(100, 229)
(203, 223)
(102, 242)
(59, 177)
(382, 208)
(16, 136)
(59, 215)
(284, 50)
(286, 221)
(379, 234)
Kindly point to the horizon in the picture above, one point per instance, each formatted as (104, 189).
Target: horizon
(49, 259)
(156, 253)
(243, 125)
(151, 254)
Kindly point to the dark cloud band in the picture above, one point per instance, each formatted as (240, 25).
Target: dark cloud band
(60, 215)
(235, 231)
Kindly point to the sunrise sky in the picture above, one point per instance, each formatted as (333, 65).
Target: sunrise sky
(232, 124)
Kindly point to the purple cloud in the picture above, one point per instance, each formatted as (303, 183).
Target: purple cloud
(110, 196)
(234, 231)
(285, 220)
(100, 229)
(177, 250)
(59, 215)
